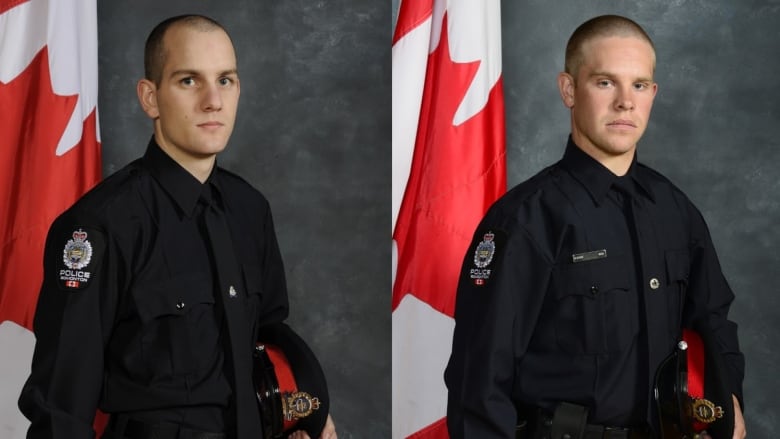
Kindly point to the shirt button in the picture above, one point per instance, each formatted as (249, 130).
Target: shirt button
(594, 290)
(232, 292)
(654, 284)
(180, 305)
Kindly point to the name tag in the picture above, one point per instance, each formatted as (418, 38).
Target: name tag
(589, 256)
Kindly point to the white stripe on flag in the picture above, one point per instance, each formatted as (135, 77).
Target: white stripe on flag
(426, 358)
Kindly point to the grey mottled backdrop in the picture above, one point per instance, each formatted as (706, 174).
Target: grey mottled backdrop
(313, 134)
(714, 131)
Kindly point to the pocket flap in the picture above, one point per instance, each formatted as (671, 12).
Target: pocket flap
(590, 278)
(174, 296)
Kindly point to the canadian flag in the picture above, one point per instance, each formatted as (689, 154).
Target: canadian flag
(49, 156)
(448, 168)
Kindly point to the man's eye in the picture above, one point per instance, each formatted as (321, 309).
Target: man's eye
(640, 86)
(604, 83)
(188, 81)
(225, 81)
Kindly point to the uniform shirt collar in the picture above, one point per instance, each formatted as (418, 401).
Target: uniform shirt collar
(178, 183)
(596, 178)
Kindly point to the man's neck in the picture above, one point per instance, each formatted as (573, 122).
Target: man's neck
(199, 166)
(618, 164)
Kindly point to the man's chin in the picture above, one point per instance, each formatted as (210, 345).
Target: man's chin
(211, 148)
(621, 144)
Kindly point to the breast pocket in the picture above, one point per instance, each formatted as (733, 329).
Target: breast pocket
(596, 310)
(180, 331)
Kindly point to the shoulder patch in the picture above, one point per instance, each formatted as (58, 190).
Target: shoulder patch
(487, 246)
(81, 253)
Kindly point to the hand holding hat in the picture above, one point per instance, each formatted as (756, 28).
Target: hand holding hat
(329, 432)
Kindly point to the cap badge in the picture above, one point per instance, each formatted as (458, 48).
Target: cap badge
(298, 405)
(705, 411)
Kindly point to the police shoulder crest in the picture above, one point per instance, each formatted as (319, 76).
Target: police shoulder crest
(483, 255)
(75, 269)
(78, 251)
(491, 243)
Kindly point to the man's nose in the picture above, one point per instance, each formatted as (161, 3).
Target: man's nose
(212, 99)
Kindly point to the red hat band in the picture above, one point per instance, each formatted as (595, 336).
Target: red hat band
(702, 410)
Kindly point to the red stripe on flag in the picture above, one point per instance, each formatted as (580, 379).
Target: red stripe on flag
(7, 5)
(457, 173)
(437, 430)
(36, 185)
(411, 14)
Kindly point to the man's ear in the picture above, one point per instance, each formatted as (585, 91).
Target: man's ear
(147, 96)
(566, 88)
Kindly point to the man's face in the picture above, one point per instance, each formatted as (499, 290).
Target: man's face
(196, 100)
(611, 97)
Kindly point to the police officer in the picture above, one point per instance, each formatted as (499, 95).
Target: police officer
(578, 281)
(139, 314)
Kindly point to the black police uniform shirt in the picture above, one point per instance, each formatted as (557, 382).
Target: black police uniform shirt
(126, 319)
(566, 294)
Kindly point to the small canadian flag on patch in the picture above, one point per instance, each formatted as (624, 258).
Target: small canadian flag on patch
(72, 284)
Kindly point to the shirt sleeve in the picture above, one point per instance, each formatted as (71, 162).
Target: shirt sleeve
(709, 300)
(275, 305)
(500, 294)
(71, 325)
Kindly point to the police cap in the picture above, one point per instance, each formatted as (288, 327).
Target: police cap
(290, 384)
(691, 389)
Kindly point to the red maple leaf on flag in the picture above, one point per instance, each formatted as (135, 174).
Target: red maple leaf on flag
(438, 214)
(37, 185)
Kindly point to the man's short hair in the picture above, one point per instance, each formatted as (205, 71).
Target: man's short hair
(602, 26)
(154, 51)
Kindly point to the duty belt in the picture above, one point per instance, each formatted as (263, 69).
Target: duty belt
(134, 429)
(570, 422)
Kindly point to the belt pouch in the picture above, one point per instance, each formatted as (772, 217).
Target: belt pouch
(569, 421)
